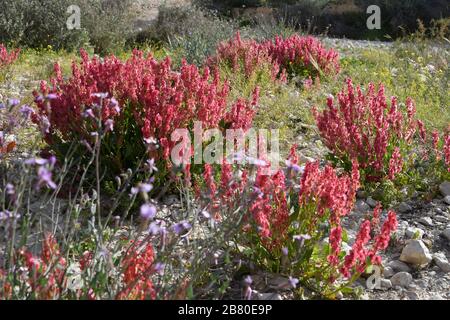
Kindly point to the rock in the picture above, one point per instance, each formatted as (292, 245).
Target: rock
(371, 202)
(361, 206)
(279, 282)
(385, 284)
(422, 283)
(361, 194)
(269, 296)
(388, 272)
(412, 295)
(442, 262)
(415, 252)
(414, 233)
(447, 200)
(404, 208)
(436, 297)
(399, 266)
(441, 219)
(444, 188)
(427, 221)
(401, 279)
(446, 233)
(346, 248)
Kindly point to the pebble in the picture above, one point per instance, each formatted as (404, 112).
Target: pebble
(444, 188)
(414, 233)
(361, 206)
(447, 200)
(398, 266)
(442, 262)
(427, 221)
(385, 284)
(415, 252)
(404, 208)
(371, 202)
(388, 272)
(412, 295)
(269, 296)
(446, 233)
(401, 279)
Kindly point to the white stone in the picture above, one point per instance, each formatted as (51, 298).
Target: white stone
(447, 199)
(398, 266)
(444, 188)
(415, 252)
(404, 207)
(388, 272)
(401, 279)
(269, 296)
(446, 233)
(414, 233)
(361, 206)
(441, 261)
(371, 202)
(427, 221)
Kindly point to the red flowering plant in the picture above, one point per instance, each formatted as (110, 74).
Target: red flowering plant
(42, 277)
(363, 126)
(292, 221)
(303, 56)
(247, 57)
(7, 57)
(134, 106)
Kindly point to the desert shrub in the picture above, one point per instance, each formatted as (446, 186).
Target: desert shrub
(289, 215)
(364, 127)
(98, 246)
(6, 58)
(38, 24)
(295, 56)
(139, 103)
(245, 57)
(42, 23)
(383, 138)
(109, 24)
(303, 56)
(189, 32)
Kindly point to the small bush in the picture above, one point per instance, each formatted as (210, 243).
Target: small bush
(137, 104)
(42, 23)
(189, 32)
(295, 56)
(286, 229)
(7, 58)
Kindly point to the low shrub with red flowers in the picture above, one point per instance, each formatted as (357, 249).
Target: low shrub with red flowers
(385, 138)
(134, 106)
(296, 55)
(7, 57)
(292, 220)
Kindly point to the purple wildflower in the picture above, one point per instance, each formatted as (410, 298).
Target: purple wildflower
(109, 125)
(293, 282)
(13, 102)
(45, 178)
(51, 96)
(88, 113)
(181, 226)
(25, 110)
(148, 211)
(159, 268)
